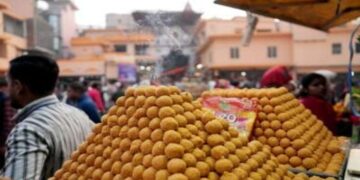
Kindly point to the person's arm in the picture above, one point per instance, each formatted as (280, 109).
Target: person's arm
(26, 153)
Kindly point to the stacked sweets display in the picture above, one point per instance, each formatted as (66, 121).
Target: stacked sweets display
(293, 134)
(158, 133)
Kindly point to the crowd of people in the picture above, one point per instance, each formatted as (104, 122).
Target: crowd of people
(50, 124)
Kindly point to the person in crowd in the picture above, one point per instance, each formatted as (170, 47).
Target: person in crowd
(313, 96)
(278, 76)
(6, 121)
(47, 131)
(77, 97)
(95, 94)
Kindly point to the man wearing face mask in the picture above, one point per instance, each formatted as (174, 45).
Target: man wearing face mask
(47, 131)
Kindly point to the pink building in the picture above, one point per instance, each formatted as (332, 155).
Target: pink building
(273, 43)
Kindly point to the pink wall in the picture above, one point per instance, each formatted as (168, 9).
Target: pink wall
(253, 55)
(24, 8)
(87, 50)
(68, 25)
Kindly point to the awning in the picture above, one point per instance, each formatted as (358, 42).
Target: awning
(318, 14)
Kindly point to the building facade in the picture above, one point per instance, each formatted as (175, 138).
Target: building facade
(12, 35)
(102, 52)
(274, 42)
(48, 29)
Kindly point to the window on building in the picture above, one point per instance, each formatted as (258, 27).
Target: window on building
(56, 43)
(336, 48)
(272, 52)
(14, 26)
(141, 49)
(121, 48)
(357, 48)
(234, 53)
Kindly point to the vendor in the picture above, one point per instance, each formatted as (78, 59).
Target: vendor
(277, 76)
(313, 96)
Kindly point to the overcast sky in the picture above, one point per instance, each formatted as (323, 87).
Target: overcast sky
(92, 12)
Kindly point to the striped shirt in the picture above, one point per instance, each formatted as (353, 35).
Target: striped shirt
(47, 132)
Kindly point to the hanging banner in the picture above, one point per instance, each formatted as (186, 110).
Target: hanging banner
(127, 73)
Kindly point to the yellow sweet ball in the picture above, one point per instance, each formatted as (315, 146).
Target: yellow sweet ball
(283, 159)
(158, 148)
(273, 141)
(264, 101)
(203, 167)
(159, 162)
(171, 136)
(258, 132)
(125, 157)
(275, 124)
(133, 133)
(199, 154)
(189, 159)
(149, 173)
(138, 172)
(240, 173)
(120, 101)
(268, 109)
(228, 176)
(304, 153)
(298, 144)
(181, 120)
(178, 109)
(285, 142)
(197, 141)
(219, 151)
(166, 112)
(178, 176)
(256, 176)
(147, 159)
(241, 155)
(215, 139)
(187, 145)
(223, 165)
(262, 139)
(162, 175)
(280, 133)
(126, 170)
(130, 101)
(293, 134)
(137, 159)
(157, 135)
(169, 123)
(295, 161)
(177, 99)
(173, 150)
(269, 133)
(162, 90)
(186, 96)
(190, 117)
(265, 124)
(145, 133)
(152, 112)
(146, 146)
(192, 173)
(150, 101)
(164, 101)
(140, 101)
(309, 163)
(262, 116)
(271, 117)
(230, 146)
(214, 127)
(211, 162)
(176, 166)
(132, 122)
(234, 159)
(289, 151)
(277, 150)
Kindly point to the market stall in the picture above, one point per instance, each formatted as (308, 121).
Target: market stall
(163, 133)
